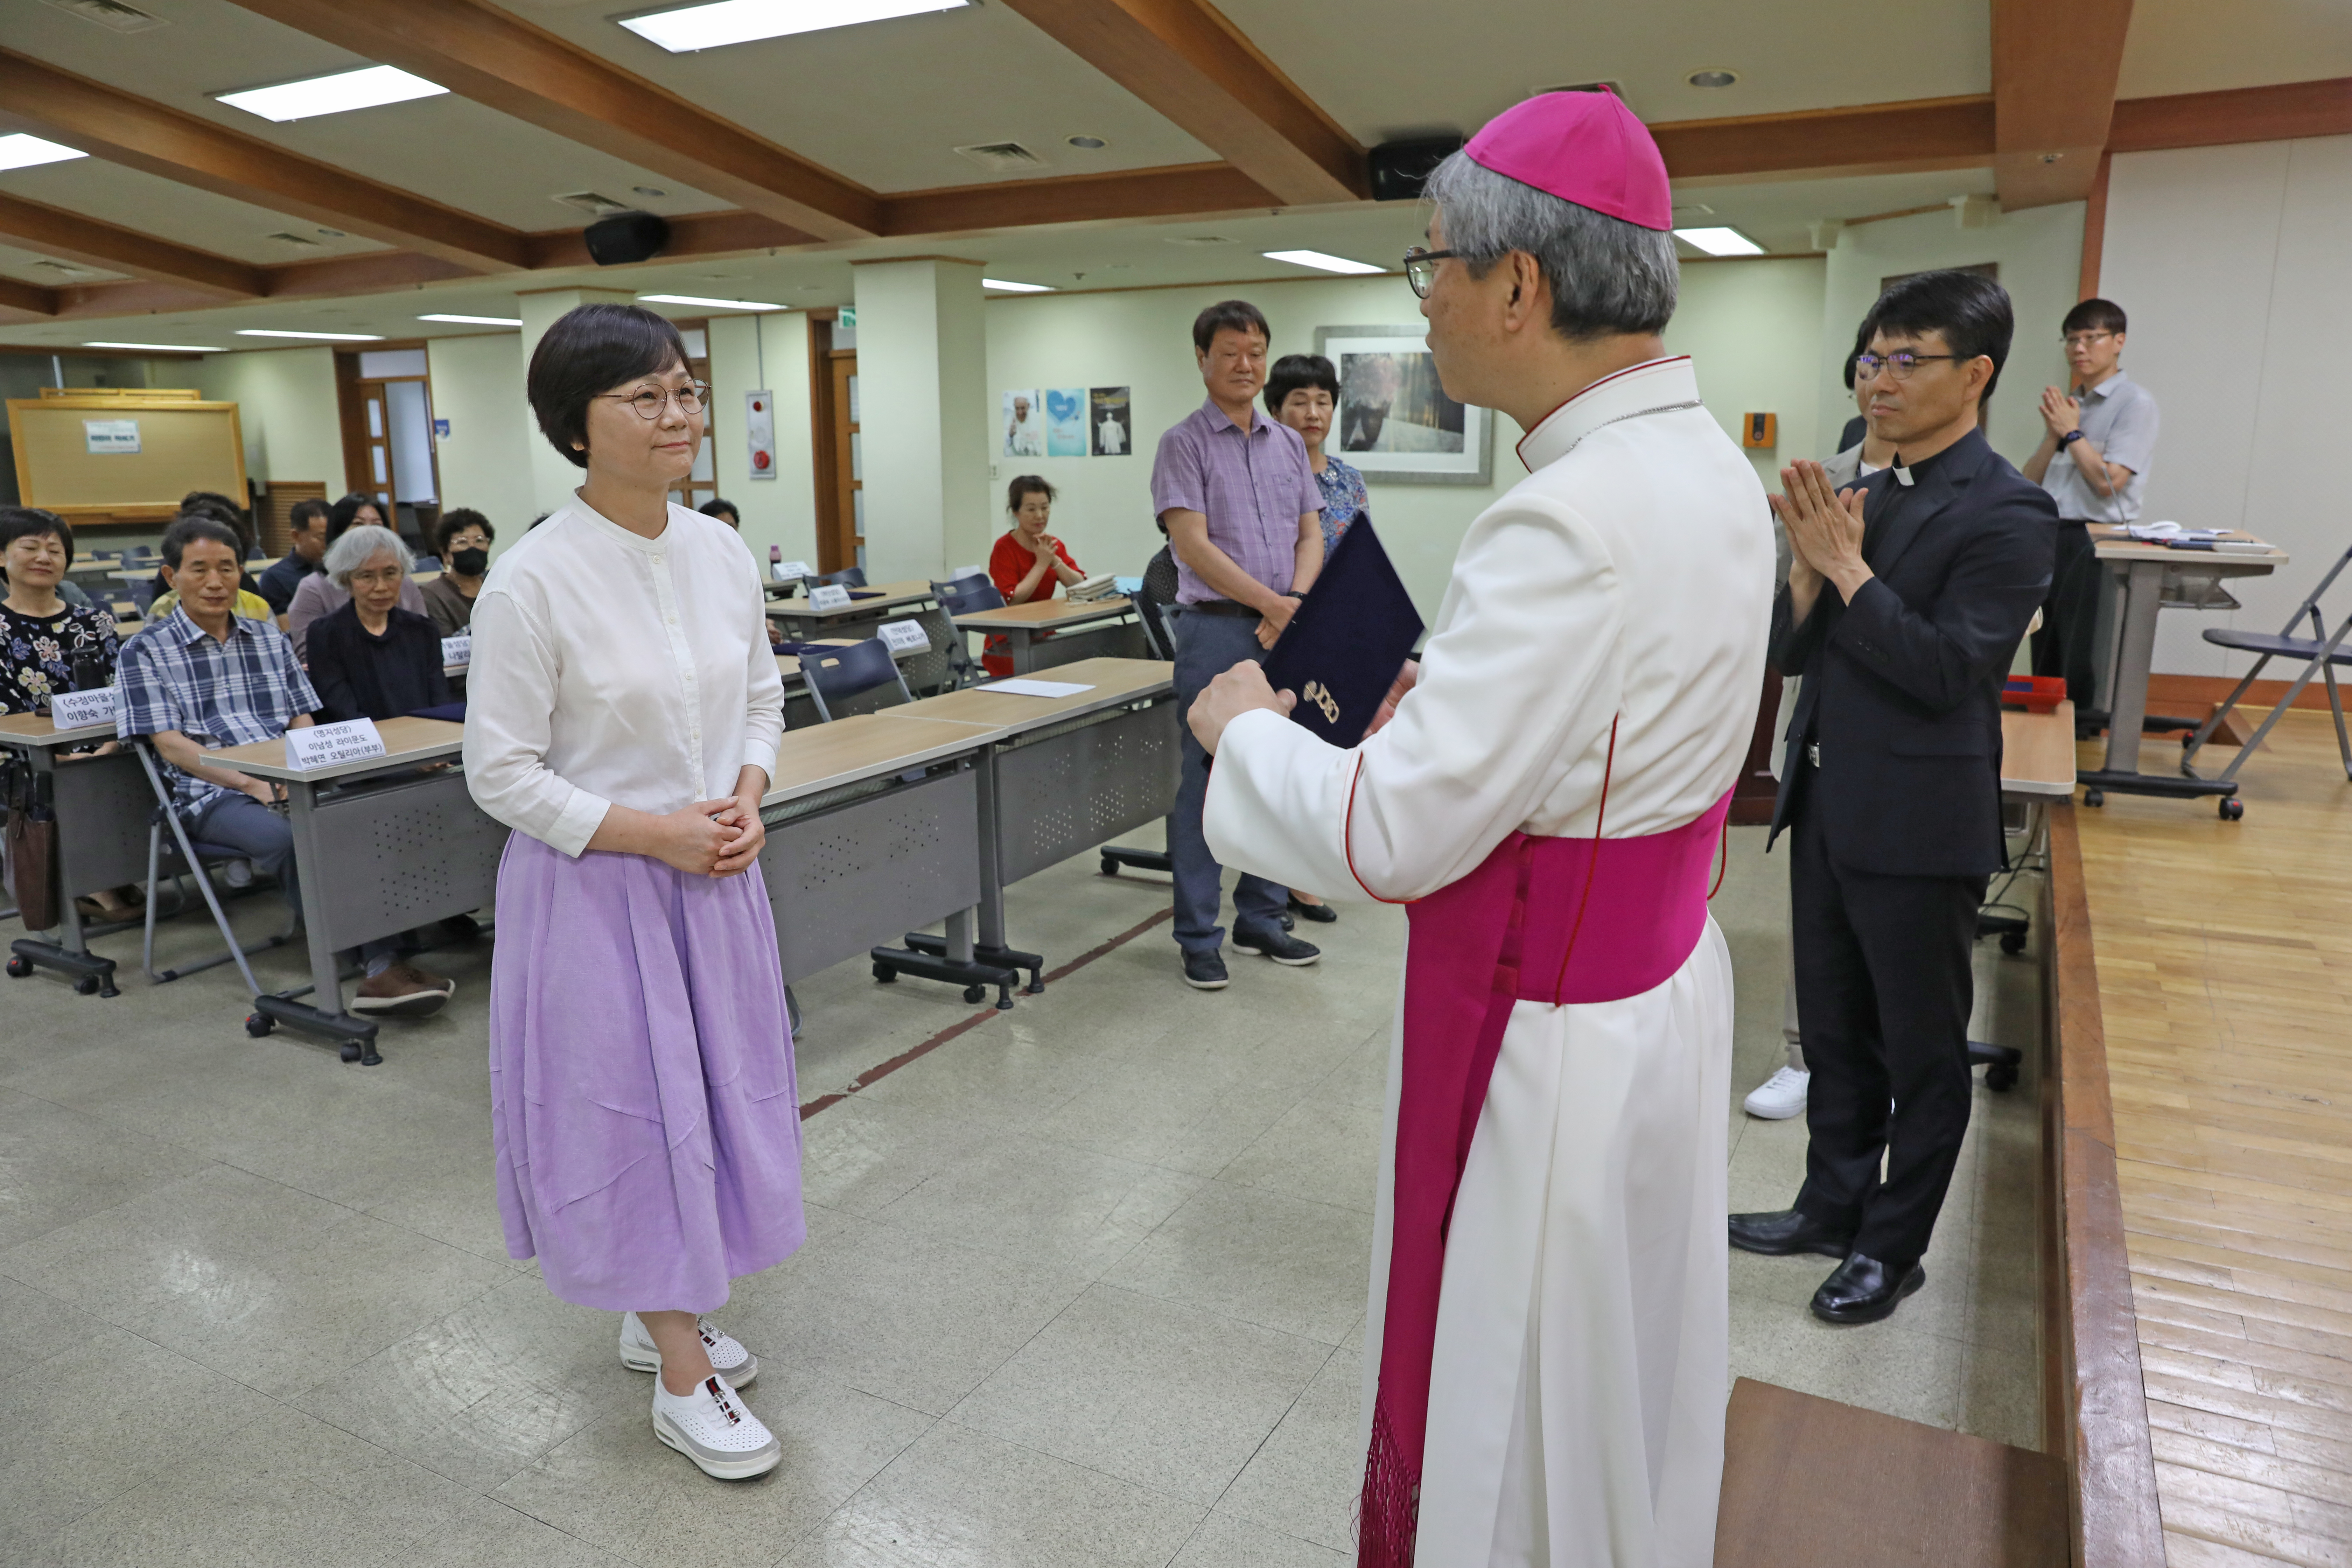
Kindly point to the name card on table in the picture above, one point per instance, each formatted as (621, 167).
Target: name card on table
(72, 710)
(325, 746)
(457, 649)
(793, 571)
(903, 636)
(832, 596)
(1026, 687)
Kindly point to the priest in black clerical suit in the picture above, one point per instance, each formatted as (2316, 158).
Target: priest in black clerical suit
(1903, 611)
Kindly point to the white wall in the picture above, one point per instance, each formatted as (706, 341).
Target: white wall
(2233, 264)
(768, 352)
(485, 459)
(923, 418)
(1753, 328)
(2040, 252)
(286, 412)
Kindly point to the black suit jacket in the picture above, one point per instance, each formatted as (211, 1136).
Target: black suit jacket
(1902, 687)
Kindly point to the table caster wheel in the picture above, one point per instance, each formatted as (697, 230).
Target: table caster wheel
(1109, 867)
(2095, 797)
(350, 1050)
(258, 1024)
(2013, 941)
(2232, 809)
(885, 973)
(2000, 1078)
(975, 993)
(368, 1056)
(19, 966)
(86, 986)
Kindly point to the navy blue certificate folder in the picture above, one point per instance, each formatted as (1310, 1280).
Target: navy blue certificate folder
(1352, 635)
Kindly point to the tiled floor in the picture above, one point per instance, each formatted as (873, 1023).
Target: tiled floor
(1084, 1286)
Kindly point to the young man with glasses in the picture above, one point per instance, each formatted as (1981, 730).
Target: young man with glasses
(2105, 426)
(1905, 599)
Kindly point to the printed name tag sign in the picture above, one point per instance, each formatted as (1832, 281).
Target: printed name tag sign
(903, 636)
(325, 746)
(457, 650)
(72, 710)
(793, 571)
(832, 596)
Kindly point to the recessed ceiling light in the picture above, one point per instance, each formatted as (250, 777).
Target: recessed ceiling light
(727, 22)
(476, 321)
(1720, 241)
(1715, 75)
(1017, 288)
(1087, 143)
(22, 151)
(327, 337)
(363, 89)
(1318, 260)
(114, 17)
(713, 304)
(161, 348)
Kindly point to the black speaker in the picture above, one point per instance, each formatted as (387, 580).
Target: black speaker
(625, 238)
(1399, 168)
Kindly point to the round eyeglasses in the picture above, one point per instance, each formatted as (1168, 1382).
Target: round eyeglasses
(650, 400)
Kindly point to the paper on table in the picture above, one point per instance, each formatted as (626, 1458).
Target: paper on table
(1023, 687)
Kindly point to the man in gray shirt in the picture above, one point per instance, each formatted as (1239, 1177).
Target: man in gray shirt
(2093, 460)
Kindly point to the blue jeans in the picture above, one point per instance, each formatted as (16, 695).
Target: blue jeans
(241, 823)
(1206, 646)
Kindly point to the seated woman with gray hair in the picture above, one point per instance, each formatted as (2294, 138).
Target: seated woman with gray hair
(371, 658)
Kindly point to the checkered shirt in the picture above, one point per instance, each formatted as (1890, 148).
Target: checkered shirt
(176, 676)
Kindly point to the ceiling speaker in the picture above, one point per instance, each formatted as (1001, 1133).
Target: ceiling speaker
(627, 236)
(1400, 169)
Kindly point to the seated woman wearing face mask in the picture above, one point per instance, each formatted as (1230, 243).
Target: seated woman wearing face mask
(463, 543)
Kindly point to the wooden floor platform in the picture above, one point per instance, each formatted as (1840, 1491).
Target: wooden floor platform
(2225, 976)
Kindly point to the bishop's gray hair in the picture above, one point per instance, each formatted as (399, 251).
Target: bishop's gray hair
(359, 546)
(1607, 274)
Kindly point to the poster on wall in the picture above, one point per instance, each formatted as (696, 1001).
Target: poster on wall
(1024, 425)
(1393, 420)
(1111, 421)
(1066, 421)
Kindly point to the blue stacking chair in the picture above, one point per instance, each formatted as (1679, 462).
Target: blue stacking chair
(839, 676)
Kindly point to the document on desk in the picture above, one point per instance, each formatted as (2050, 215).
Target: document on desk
(1021, 687)
(1350, 635)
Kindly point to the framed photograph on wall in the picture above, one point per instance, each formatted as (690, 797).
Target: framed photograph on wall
(1111, 421)
(1393, 420)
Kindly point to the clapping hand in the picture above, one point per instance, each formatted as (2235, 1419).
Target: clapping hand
(2060, 412)
(1824, 527)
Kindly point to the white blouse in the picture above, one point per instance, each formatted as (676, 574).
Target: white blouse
(611, 669)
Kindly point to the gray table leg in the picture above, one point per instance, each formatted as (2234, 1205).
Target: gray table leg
(1024, 657)
(992, 858)
(2135, 654)
(326, 974)
(958, 936)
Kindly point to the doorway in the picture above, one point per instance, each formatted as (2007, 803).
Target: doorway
(839, 450)
(389, 453)
(701, 484)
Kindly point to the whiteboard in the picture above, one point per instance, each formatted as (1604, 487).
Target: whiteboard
(73, 455)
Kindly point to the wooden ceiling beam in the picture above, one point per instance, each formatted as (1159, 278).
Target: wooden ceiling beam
(498, 59)
(1187, 61)
(2055, 68)
(2289, 112)
(138, 134)
(1863, 139)
(25, 302)
(70, 236)
(1182, 190)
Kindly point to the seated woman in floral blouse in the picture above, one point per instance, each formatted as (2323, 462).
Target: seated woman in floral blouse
(42, 637)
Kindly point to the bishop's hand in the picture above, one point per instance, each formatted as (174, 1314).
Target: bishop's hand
(1240, 690)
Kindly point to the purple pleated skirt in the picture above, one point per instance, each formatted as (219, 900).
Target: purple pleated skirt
(643, 1104)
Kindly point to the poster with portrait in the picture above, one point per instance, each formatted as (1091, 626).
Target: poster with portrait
(1024, 425)
(1066, 421)
(1393, 420)
(1111, 421)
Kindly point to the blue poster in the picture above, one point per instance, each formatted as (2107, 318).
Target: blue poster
(1066, 422)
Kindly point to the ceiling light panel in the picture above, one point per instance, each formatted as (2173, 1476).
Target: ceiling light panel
(1320, 261)
(476, 321)
(22, 151)
(344, 91)
(161, 348)
(716, 26)
(707, 304)
(323, 337)
(1720, 241)
(1017, 288)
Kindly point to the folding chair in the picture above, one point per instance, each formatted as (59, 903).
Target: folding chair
(963, 596)
(838, 676)
(2321, 652)
(190, 855)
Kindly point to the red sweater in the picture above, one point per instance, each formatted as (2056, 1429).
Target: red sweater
(1008, 563)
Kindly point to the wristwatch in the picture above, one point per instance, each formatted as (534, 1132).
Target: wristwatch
(2069, 438)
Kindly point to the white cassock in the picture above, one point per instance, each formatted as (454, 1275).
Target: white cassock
(1578, 1379)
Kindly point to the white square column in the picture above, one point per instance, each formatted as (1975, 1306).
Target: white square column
(922, 373)
(552, 479)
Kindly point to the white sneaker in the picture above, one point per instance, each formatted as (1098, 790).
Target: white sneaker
(1780, 1097)
(710, 1427)
(728, 1359)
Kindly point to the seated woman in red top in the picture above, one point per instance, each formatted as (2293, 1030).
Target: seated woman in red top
(1028, 563)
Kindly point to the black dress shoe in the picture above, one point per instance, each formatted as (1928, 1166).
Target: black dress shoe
(1785, 1231)
(1864, 1290)
(1322, 914)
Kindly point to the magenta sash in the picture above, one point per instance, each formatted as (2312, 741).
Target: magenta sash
(1541, 920)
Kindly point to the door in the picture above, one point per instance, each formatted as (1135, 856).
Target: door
(848, 519)
(702, 483)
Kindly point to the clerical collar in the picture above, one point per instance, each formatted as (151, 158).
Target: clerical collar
(1909, 474)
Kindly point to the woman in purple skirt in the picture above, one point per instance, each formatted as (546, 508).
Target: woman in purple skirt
(623, 717)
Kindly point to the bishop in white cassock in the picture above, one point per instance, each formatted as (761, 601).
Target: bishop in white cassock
(1545, 1353)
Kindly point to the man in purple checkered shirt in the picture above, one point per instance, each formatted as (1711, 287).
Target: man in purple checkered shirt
(1244, 516)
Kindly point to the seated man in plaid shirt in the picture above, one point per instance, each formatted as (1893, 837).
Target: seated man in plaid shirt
(203, 678)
